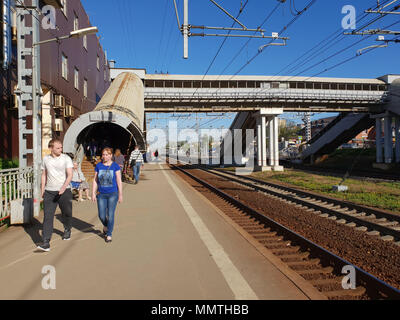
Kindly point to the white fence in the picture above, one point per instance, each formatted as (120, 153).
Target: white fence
(16, 184)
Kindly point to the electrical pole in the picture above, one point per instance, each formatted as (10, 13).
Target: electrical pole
(36, 109)
(186, 29)
(307, 122)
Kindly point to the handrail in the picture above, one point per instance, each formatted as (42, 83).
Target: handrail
(15, 184)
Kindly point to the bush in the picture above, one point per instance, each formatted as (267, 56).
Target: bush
(8, 164)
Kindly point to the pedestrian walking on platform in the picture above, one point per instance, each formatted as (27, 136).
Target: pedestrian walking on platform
(107, 191)
(92, 148)
(136, 162)
(56, 179)
(79, 182)
(119, 158)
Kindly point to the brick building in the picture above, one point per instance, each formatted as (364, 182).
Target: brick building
(74, 75)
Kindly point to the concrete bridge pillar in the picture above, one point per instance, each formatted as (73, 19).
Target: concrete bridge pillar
(267, 122)
(271, 141)
(276, 166)
(378, 140)
(388, 139)
(261, 143)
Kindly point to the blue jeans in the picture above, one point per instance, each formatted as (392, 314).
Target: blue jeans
(107, 203)
(136, 170)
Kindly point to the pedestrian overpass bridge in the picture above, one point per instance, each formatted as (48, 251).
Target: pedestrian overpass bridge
(194, 93)
(119, 116)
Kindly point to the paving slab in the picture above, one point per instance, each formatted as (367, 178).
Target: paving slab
(157, 252)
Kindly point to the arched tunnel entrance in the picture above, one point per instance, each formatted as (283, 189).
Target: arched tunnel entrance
(106, 128)
(116, 122)
(106, 134)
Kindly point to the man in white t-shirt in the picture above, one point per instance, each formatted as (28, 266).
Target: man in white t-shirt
(56, 179)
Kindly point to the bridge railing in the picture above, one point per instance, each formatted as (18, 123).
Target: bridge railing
(271, 94)
(16, 184)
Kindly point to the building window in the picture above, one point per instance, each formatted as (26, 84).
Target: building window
(64, 8)
(98, 63)
(76, 22)
(85, 42)
(76, 78)
(85, 88)
(64, 67)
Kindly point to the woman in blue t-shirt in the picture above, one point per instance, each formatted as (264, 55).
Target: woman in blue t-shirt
(107, 181)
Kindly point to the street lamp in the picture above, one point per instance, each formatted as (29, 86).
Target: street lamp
(73, 34)
(36, 93)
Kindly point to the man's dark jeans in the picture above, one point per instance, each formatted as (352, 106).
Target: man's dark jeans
(50, 201)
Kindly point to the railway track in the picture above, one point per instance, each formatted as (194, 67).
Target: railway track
(372, 221)
(355, 174)
(317, 265)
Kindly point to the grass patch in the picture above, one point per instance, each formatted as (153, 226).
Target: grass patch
(8, 164)
(383, 195)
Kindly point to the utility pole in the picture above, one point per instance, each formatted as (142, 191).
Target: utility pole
(241, 31)
(185, 29)
(36, 109)
(307, 122)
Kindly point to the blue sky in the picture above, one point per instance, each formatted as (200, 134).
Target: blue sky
(144, 34)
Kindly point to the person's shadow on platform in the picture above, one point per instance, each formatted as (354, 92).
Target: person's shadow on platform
(82, 226)
(33, 230)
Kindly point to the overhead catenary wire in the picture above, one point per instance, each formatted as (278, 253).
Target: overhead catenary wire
(335, 65)
(331, 56)
(317, 50)
(220, 47)
(247, 42)
(284, 29)
(162, 31)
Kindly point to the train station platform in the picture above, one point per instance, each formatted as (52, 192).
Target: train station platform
(169, 243)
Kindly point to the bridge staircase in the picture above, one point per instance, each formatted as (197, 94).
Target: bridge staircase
(339, 131)
(88, 167)
(243, 120)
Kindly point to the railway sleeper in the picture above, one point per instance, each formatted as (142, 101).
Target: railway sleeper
(327, 282)
(256, 232)
(269, 240)
(253, 225)
(243, 219)
(277, 245)
(369, 217)
(343, 294)
(308, 262)
(266, 236)
(286, 251)
(388, 224)
(251, 228)
(326, 270)
(280, 242)
(295, 257)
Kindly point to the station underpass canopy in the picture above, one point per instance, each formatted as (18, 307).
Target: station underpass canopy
(117, 120)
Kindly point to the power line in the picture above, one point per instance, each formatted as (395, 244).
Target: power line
(314, 52)
(284, 29)
(247, 42)
(223, 42)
